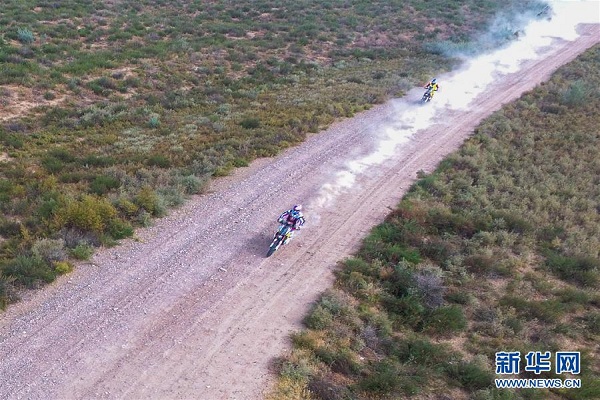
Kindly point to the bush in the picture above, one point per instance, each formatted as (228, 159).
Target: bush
(49, 250)
(250, 123)
(119, 229)
(579, 269)
(158, 160)
(24, 35)
(408, 308)
(88, 214)
(459, 297)
(431, 288)
(323, 389)
(83, 251)
(30, 271)
(469, 375)
(149, 201)
(448, 319)
(154, 121)
(52, 165)
(421, 352)
(319, 318)
(331, 304)
(192, 184)
(97, 161)
(382, 380)
(62, 267)
(103, 184)
(294, 371)
(6, 290)
(127, 207)
(576, 95)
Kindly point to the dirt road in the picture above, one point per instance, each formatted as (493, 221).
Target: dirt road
(193, 309)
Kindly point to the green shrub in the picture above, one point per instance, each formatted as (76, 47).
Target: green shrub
(158, 160)
(30, 271)
(90, 213)
(459, 297)
(127, 207)
(14, 141)
(318, 318)
(97, 161)
(592, 321)
(401, 281)
(515, 324)
(6, 290)
(149, 201)
(52, 165)
(572, 295)
(583, 270)
(420, 351)
(24, 35)
(83, 251)
(192, 184)
(103, 184)
(576, 95)
(469, 375)
(62, 267)
(119, 229)
(293, 371)
(446, 320)
(408, 308)
(250, 123)
(383, 379)
(154, 121)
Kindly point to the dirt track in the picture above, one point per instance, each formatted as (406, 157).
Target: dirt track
(193, 309)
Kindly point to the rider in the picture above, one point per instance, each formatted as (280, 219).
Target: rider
(433, 86)
(293, 218)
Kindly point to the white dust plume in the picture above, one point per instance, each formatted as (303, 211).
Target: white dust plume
(458, 90)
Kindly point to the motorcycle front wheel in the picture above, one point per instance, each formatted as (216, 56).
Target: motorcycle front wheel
(274, 246)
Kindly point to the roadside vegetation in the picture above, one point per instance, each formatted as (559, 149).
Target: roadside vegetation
(497, 250)
(112, 112)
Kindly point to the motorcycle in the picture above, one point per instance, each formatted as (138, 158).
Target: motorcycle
(427, 95)
(284, 232)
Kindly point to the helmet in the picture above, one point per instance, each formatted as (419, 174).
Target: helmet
(433, 80)
(297, 207)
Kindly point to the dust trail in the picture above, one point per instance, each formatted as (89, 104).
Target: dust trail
(459, 89)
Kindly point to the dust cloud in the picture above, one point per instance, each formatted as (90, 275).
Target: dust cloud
(458, 90)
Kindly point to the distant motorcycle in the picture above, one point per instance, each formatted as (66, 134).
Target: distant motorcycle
(427, 96)
(284, 232)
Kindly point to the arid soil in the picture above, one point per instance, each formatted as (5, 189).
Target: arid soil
(192, 309)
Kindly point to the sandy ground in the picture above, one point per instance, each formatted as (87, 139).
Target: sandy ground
(193, 309)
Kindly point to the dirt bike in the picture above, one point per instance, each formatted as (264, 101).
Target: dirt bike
(284, 232)
(427, 96)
